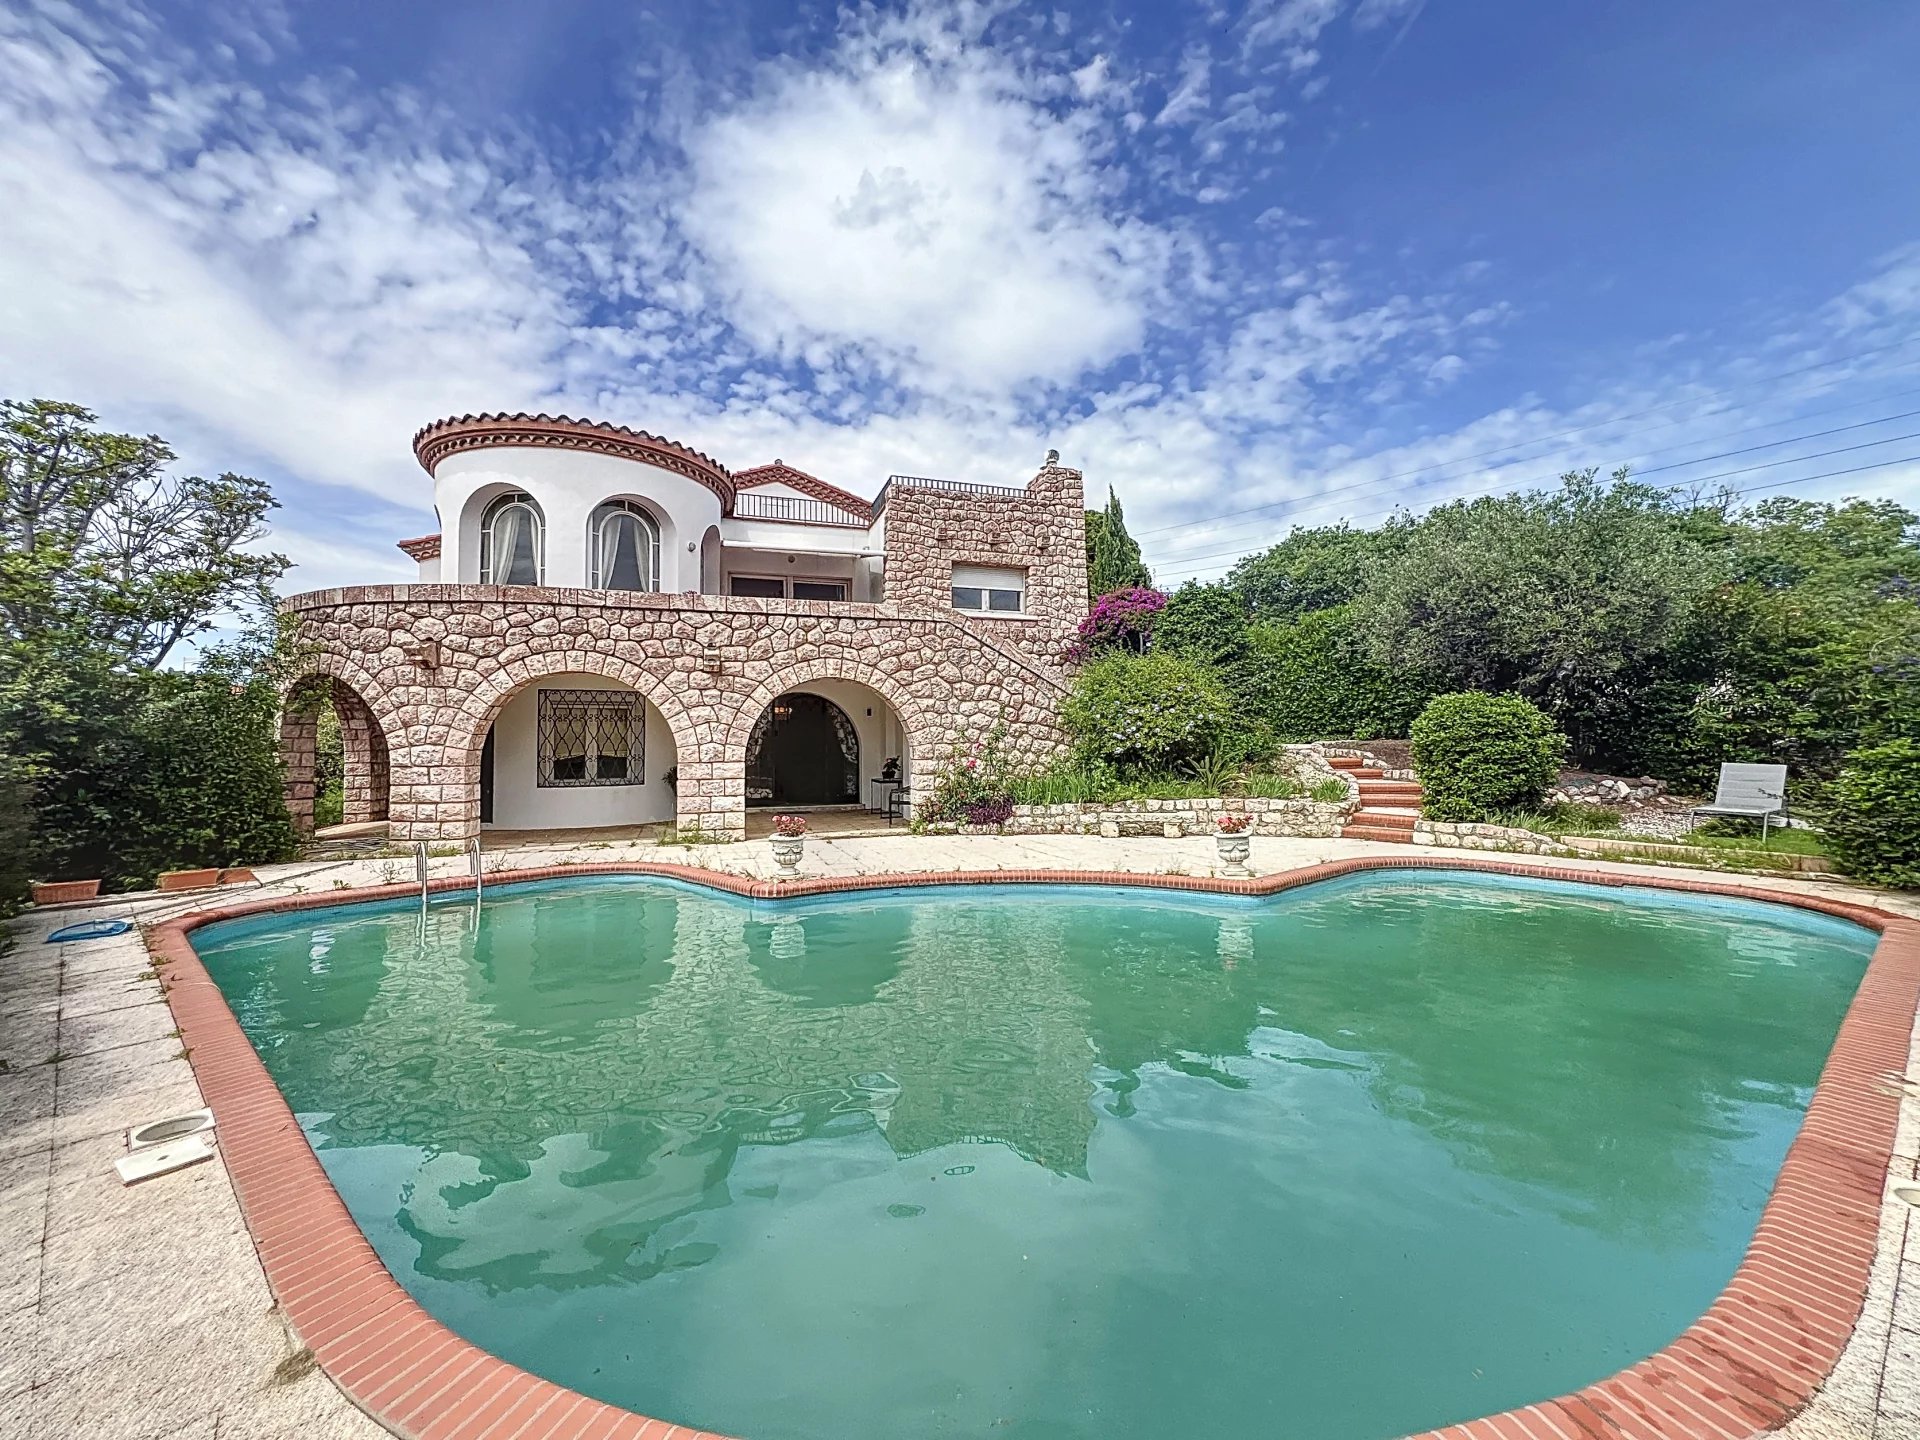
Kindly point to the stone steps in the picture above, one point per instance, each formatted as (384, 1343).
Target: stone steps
(1390, 792)
(1369, 832)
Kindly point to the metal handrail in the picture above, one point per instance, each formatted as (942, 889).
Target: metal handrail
(945, 487)
(796, 510)
(420, 868)
(478, 865)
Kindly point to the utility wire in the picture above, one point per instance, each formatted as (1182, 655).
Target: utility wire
(1593, 425)
(1190, 571)
(1309, 503)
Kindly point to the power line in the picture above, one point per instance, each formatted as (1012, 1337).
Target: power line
(1190, 571)
(1308, 504)
(1563, 434)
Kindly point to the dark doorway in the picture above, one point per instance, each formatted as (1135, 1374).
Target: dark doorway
(803, 751)
(486, 779)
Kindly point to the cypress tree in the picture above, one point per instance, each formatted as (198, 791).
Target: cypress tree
(1113, 556)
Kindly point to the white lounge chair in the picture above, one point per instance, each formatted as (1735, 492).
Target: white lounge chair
(1749, 792)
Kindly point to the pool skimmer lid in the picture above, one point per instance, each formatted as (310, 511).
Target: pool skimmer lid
(160, 1147)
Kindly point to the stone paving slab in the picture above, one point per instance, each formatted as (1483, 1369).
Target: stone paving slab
(142, 1314)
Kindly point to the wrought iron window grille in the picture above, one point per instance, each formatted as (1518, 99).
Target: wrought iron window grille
(591, 737)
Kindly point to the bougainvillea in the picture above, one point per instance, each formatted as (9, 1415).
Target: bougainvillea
(1122, 620)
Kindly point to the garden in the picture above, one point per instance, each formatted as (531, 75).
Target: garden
(1516, 647)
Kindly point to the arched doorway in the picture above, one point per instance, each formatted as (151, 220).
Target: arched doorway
(803, 750)
(335, 755)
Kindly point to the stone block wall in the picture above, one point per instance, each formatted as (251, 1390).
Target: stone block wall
(434, 664)
(1041, 530)
(1174, 818)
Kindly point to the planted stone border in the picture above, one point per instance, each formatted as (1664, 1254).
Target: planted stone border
(1743, 1368)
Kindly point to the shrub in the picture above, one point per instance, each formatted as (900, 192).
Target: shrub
(975, 779)
(1873, 820)
(1479, 753)
(1122, 620)
(1306, 680)
(1146, 713)
(16, 827)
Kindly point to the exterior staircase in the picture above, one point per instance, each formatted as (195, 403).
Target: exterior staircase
(1388, 809)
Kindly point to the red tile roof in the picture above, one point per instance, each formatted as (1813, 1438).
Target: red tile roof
(433, 443)
(423, 547)
(781, 473)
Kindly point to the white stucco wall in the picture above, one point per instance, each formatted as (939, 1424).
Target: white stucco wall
(519, 802)
(567, 485)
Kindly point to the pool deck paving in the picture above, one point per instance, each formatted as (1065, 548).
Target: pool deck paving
(142, 1312)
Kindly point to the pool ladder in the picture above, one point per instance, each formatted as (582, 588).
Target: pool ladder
(476, 864)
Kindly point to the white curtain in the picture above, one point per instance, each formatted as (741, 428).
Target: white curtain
(609, 559)
(514, 555)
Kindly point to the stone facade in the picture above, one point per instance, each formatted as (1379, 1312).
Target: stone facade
(1175, 818)
(430, 666)
(1040, 530)
(419, 673)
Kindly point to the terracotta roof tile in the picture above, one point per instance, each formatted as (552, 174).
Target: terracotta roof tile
(781, 473)
(422, 547)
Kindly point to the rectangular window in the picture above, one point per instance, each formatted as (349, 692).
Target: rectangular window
(985, 589)
(819, 590)
(592, 737)
(753, 585)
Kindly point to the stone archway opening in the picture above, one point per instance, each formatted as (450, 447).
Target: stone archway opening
(804, 750)
(826, 745)
(334, 754)
(575, 751)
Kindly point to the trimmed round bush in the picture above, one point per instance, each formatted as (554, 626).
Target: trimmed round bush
(1146, 713)
(1478, 753)
(1873, 820)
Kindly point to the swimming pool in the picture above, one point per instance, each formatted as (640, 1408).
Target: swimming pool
(1385, 1153)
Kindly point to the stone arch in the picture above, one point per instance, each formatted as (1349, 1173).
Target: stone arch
(367, 770)
(456, 801)
(800, 674)
(923, 734)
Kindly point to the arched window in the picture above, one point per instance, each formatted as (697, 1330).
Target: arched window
(624, 548)
(510, 541)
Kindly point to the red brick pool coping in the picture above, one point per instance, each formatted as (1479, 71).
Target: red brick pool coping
(1745, 1366)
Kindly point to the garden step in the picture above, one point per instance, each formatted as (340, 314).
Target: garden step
(1410, 788)
(1345, 762)
(1369, 832)
(1385, 819)
(1367, 772)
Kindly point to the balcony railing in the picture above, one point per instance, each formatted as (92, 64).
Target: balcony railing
(749, 506)
(945, 487)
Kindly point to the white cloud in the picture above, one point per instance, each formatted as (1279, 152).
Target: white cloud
(911, 204)
(942, 232)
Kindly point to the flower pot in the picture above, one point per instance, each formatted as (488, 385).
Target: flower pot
(63, 892)
(787, 850)
(1234, 850)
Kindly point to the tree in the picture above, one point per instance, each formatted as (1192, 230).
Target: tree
(1566, 598)
(1207, 622)
(1313, 569)
(1113, 556)
(108, 563)
(98, 539)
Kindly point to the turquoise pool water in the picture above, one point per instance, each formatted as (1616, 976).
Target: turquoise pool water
(1374, 1156)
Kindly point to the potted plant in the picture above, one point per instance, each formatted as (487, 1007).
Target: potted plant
(1235, 844)
(63, 892)
(789, 840)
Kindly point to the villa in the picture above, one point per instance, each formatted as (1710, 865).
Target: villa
(612, 629)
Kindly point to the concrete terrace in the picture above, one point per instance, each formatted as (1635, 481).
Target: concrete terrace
(140, 1313)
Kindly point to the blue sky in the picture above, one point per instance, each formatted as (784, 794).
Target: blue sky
(1252, 265)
